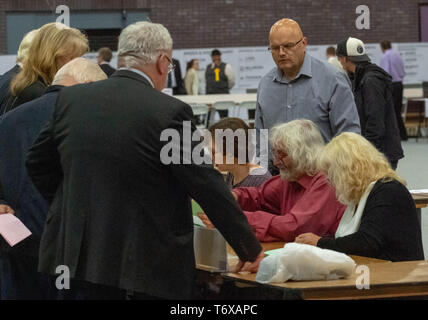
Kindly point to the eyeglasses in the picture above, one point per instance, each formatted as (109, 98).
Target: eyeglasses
(285, 47)
(171, 66)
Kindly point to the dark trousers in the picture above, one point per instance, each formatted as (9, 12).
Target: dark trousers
(397, 96)
(21, 281)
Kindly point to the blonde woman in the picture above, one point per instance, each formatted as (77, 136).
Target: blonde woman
(380, 220)
(52, 47)
(191, 79)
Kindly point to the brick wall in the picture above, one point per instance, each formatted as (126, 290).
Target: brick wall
(221, 23)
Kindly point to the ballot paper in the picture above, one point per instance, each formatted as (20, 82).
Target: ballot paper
(12, 229)
(420, 191)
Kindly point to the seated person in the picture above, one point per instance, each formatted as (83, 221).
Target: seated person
(380, 220)
(245, 174)
(300, 198)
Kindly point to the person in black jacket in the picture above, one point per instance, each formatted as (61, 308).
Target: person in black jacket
(104, 57)
(52, 47)
(381, 220)
(373, 96)
(120, 217)
(6, 78)
(18, 130)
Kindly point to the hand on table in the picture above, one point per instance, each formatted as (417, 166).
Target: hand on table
(4, 209)
(250, 266)
(308, 238)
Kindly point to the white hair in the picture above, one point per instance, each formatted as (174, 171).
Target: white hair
(80, 70)
(24, 46)
(302, 141)
(140, 43)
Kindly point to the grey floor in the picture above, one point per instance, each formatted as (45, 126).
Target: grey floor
(414, 169)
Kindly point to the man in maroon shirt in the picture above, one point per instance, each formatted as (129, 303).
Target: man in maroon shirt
(300, 199)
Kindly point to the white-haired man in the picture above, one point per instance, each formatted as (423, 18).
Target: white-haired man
(18, 130)
(300, 198)
(120, 218)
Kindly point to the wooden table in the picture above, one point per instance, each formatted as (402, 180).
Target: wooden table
(210, 99)
(387, 280)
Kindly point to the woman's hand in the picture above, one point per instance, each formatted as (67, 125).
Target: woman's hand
(308, 238)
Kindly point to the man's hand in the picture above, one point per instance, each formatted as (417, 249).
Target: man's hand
(235, 196)
(250, 266)
(4, 209)
(308, 238)
(207, 222)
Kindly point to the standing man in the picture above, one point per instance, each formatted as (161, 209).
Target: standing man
(373, 97)
(302, 87)
(175, 80)
(120, 216)
(392, 63)
(104, 57)
(219, 78)
(18, 130)
(332, 58)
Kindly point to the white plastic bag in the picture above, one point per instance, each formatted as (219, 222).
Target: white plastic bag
(304, 262)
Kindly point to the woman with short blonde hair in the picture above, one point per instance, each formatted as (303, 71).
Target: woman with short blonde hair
(52, 47)
(380, 220)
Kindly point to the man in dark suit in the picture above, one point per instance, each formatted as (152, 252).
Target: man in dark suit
(175, 80)
(120, 216)
(18, 130)
(104, 57)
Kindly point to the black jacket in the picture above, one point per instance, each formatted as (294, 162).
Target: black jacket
(31, 92)
(373, 97)
(118, 215)
(5, 93)
(108, 69)
(389, 229)
(18, 130)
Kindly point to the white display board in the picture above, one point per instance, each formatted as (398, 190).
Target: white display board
(250, 64)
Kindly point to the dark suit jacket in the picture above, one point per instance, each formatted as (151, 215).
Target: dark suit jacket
(118, 215)
(179, 89)
(5, 81)
(33, 91)
(108, 69)
(18, 130)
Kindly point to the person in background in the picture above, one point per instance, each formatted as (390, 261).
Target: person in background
(191, 79)
(53, 46)
(175, 80)
(300, 199)
(392, 63)
(103, 59)
(373, 97)
(246, 173)
(7, 77)
(332, 58)
(18, 130)
(300, 86)
(120, 215)
(380, 220)
(219, 78)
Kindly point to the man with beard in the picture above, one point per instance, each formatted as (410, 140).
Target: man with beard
(298, 199)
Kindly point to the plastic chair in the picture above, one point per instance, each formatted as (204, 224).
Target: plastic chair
(251, 109)
(200, 112)
(223, 108)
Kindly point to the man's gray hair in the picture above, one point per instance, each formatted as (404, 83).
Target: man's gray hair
(81, 70)
(140, 44)
(302, 141)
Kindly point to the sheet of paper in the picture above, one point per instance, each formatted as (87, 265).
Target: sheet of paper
(419, 191)
(12, 229)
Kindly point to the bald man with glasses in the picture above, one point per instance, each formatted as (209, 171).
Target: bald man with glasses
(302, 87)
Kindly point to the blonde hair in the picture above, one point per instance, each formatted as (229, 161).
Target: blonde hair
(24, 46)
(302, 141)
(52, 43)
(80, 70)
(352, 163)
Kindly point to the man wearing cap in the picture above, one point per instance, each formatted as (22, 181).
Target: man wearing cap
(301, 86)
(373, 97)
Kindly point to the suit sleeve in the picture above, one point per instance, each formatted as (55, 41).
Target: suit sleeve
(2, 200)
(343, 111)
(43, 163)
(207, 187)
